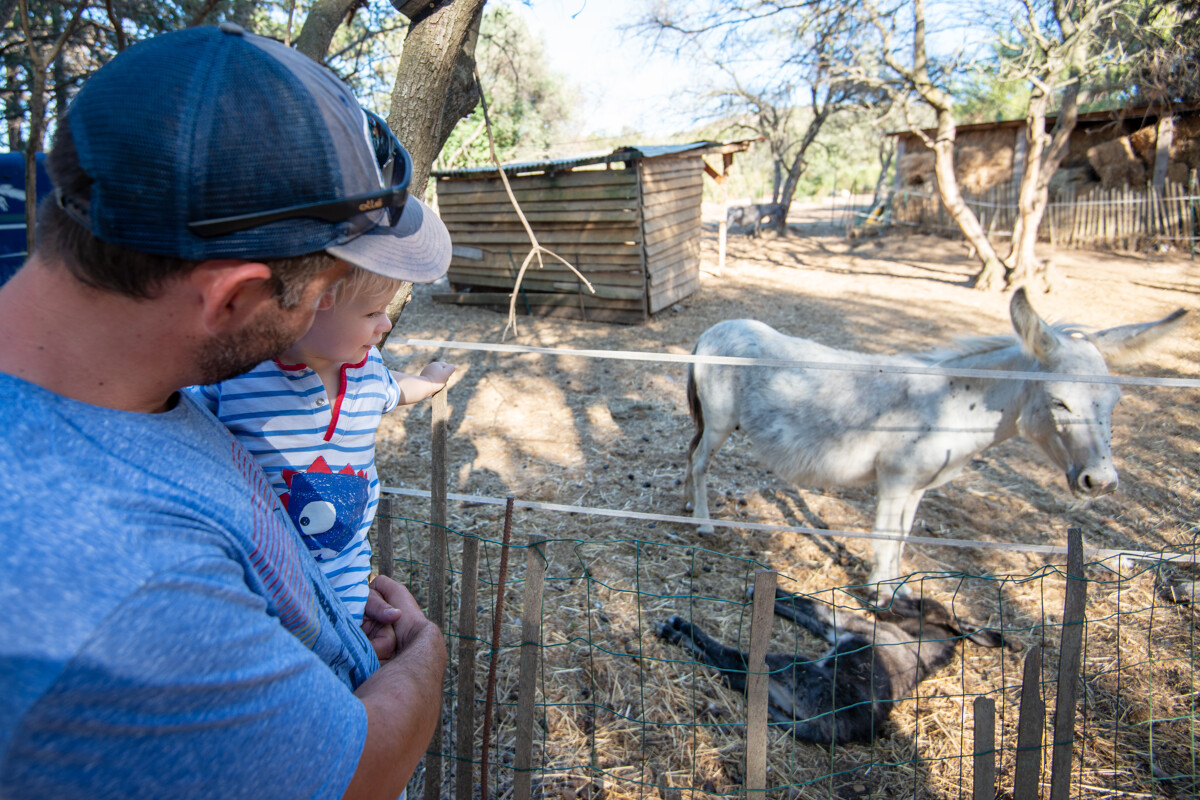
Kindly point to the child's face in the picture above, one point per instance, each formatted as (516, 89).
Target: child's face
(344, 333)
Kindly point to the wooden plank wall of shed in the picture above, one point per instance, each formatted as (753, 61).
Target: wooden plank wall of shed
(589, 217)
(671, 200)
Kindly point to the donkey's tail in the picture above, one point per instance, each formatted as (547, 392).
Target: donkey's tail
(694, 407)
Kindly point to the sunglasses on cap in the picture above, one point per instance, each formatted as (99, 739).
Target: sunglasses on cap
(395, 165)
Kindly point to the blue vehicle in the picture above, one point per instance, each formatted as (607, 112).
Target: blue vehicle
(12, 209)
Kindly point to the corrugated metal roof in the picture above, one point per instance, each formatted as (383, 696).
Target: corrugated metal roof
(626, 153)
(1109, 115)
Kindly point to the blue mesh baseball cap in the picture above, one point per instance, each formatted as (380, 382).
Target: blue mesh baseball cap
(212, 143)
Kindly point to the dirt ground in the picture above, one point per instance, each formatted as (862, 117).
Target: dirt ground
(612, 433)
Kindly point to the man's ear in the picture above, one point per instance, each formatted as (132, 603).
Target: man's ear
(231, 292)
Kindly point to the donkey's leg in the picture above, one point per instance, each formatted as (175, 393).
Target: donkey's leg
(906, 522)
(714, 435)
(822, 619)
(732, 663)
(894, 515)
(889, 519)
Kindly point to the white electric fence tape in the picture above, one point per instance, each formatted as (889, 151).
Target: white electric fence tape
(679, 358)
(970, 544)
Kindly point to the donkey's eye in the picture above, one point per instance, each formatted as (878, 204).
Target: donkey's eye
(1059, 405)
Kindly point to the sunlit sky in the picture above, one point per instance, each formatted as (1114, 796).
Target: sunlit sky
(622, 84)
(625, 85)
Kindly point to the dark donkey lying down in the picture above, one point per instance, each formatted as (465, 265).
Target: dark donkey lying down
(872, 664)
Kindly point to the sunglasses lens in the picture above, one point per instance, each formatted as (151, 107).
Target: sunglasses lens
(395, 164)
(401, 173)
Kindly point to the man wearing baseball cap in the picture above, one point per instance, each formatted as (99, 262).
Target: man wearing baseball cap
(165, 632)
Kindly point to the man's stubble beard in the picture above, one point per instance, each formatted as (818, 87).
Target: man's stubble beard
(230, 355)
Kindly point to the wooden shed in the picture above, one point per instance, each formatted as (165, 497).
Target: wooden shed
(628, 220)
(1110, 149)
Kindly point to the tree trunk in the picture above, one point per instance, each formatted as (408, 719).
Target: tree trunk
(1023, 268)
(435, 88)
(13, 111)
(887, 152)
(37, 131)
(799, 164)
(58, 68)
(991, 277)
(1044, 154)
(435, 84)
(319, 27)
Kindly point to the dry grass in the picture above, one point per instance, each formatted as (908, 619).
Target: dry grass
(627, 716)
(621, 711)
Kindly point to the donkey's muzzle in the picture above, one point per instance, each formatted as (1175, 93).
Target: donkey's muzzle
(1093, 482)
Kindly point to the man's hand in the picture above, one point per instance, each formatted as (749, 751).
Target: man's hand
(403, 699)
(379, 618)
(405, 615)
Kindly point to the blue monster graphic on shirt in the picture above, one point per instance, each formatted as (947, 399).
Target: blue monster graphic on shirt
(327, 507)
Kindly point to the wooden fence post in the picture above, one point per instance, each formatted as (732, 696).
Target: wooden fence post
(464, 746)
(984, 757)
(437, 571)
(437, 512)
(531, 624)
(387, 549)
(757, 681)
(489, 693)
(1068, 668)
(1030, 722)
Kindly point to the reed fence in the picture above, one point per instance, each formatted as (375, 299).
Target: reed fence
(1125, 219)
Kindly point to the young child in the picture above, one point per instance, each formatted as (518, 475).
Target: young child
(309, 418)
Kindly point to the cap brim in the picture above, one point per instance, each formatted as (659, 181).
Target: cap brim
(416, 248)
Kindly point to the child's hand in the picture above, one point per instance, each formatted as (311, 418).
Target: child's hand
(438, 372)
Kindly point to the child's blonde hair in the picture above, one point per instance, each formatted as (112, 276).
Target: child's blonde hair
(360, 281)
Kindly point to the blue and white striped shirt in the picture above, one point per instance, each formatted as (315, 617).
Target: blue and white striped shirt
(318, 453)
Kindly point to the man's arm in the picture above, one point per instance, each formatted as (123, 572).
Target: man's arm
(403, 700)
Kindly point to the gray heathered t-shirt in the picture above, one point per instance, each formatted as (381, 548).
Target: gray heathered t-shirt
(164, 631)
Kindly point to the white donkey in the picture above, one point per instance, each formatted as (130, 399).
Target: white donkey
(907, 432)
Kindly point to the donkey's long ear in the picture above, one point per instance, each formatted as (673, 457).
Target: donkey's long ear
(1122, 343)
(1036, 337)
(938, 614)
(985, 637)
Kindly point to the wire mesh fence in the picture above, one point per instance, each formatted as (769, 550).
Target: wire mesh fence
(590, 700)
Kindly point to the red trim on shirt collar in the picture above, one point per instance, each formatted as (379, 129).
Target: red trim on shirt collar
(337, 405)
(290, 367)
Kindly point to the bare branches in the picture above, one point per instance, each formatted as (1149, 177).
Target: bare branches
(536, 250)
(202, 13)
(39, 64)
(774, 59)
(41, 61)
(118, 30)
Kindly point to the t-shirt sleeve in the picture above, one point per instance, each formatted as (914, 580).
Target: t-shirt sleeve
(207, 396)
(190, 689)
(391, 389)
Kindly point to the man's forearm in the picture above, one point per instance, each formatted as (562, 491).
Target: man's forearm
(403, 702)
